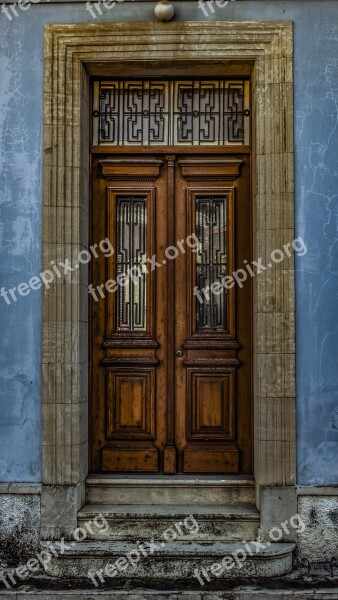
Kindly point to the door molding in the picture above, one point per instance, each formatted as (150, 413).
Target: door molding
(72, 54)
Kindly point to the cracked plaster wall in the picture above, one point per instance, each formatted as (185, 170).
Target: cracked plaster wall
(316, 135)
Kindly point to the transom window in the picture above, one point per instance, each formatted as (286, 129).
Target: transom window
(155, 112)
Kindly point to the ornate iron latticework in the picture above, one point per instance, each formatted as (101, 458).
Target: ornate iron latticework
(131, 249)
(211, 263)
(151, 112)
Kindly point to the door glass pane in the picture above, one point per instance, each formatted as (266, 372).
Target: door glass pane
(211, 263)
(131, 242)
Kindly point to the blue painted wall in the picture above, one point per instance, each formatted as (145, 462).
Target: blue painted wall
(316, 135)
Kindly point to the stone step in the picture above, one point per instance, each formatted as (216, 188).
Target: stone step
(193, 523)
(275, 591)
(177, 490)
(99, 562)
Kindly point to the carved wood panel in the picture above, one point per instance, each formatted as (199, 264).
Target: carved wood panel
(131, 403)
(211, 404)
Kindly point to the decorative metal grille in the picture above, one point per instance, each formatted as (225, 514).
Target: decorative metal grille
(211, 262)
(131, 232)
(171, 112)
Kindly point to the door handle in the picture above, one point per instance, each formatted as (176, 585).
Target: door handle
(179, 353)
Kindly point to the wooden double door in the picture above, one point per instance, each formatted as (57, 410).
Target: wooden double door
(170, 327)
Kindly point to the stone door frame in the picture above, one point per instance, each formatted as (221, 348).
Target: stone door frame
(72, 54)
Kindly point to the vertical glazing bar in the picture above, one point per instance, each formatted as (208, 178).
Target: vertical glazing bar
(96, 109)
(196, 99)
(121, 112)
(171, 118)
(142, 118)
(247, 117)
(221, 93)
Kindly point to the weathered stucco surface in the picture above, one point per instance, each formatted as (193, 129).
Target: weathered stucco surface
(319, 540)
(20, 222)
(19, 528)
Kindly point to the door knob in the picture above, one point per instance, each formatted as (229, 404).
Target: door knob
(179, 353)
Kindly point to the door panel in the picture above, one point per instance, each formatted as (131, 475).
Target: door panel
(212, 200)
(128, 366)
(171, 358)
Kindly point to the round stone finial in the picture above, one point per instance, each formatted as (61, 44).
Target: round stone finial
(164, 10)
